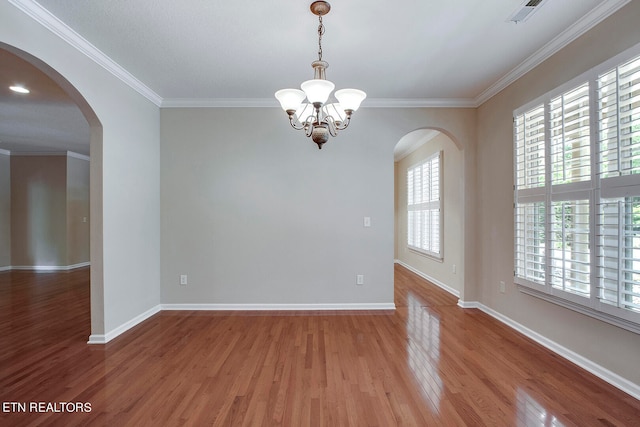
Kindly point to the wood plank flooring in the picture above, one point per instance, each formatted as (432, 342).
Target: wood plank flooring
(428, 363)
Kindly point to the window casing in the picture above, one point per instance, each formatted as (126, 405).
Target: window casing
(577, 193)
(424, 206)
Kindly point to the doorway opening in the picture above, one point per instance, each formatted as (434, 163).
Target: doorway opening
(429, 207)
(51, 131)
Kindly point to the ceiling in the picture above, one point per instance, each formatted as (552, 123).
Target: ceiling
(206, 52)
(46, 120)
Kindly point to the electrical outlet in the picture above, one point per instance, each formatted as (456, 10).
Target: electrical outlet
(367, 221)
(503, 287)
(183, 280)
(360, 279)
(453, 269)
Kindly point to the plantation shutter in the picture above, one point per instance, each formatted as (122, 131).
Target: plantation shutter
(529, 129)
(424, 206)
(619, 203)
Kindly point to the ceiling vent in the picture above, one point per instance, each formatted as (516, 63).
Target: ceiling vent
(525, 11)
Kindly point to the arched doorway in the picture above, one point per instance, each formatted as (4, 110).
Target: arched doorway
(62, 92)
(445, 223)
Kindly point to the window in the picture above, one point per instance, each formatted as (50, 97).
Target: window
(577, 194)
(424, 206)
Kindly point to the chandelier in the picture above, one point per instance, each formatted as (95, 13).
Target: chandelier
(319, 117)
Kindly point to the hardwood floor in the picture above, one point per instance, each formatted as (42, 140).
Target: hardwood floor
(428, 363)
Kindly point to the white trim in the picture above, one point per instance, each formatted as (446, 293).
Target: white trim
(62, 30)
(280, 307)
(59, 28)
(590, 76)
(468, 304)
(5, 152)
(38, 153)
(48, 154)
(48, 268)
(103, 339)
(78, 156)
(219, 103)
(97, 339)
(419, 103)
(272, 103)
(436, 282)
(6, 268)
(587, 22)
(603, 316)
(612, 378)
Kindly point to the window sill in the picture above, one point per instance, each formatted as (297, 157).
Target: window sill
(437, 258)
(587, 311)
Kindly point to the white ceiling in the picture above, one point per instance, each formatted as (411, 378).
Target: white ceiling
(402, 53)
(46, 120)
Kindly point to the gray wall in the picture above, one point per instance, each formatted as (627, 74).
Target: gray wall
(254, 213)
(5, 210)
(77, 210)
(49, 206)
(609, 346)
(125, 176)
(38, 211)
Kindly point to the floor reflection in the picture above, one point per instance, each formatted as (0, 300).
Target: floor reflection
(533, 414)
(423, 349)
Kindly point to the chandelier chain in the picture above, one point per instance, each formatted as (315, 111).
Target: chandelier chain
(320, 33)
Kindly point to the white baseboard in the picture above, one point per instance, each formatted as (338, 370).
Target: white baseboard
(48, 268)
(278, 307)
(103, 339)
(436, 282)
(468, 304)
(7, 268)
(612, 378)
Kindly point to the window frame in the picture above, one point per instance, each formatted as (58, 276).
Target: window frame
(591, 190)
(427, 206)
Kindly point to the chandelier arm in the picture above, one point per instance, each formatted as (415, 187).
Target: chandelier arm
(331, 125)
(345, 124)
(308, 128)
(295, 123)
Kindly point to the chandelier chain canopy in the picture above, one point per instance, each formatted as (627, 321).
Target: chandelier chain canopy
(318, 117)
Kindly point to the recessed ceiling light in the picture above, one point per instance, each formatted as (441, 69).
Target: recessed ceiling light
(19, 89)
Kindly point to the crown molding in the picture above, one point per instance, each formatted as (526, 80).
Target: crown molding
(420, 103)
(49, 21)
(219, 103)
(587, 22)
(269, 102)
(59, 28)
